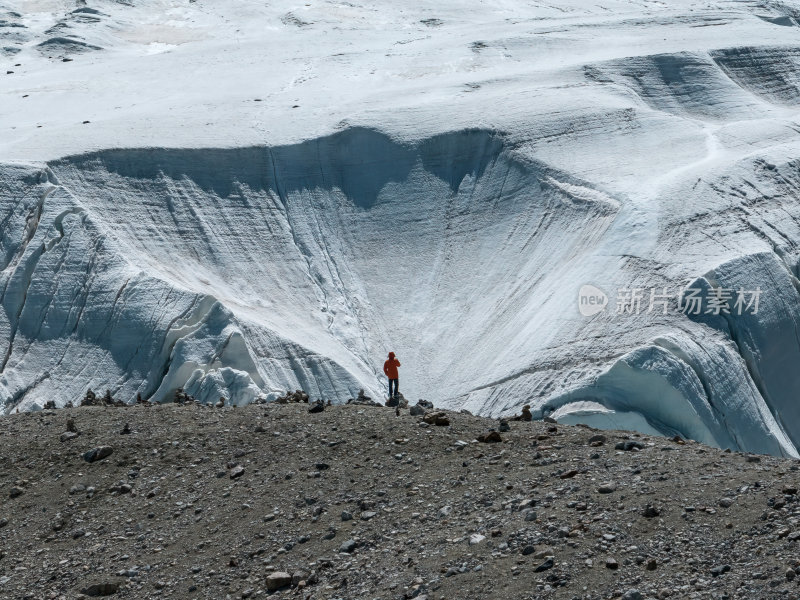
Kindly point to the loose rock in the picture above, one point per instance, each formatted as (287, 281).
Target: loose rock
(490, 437)
(96, 454)
(278, 580)
(101, 589)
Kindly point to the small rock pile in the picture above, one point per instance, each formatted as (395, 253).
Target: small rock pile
(525, 416)
(363, 399)
(420, 408)
(92, 399)
(398, 401)
(292, 397)
(181, 397)
(439, 418)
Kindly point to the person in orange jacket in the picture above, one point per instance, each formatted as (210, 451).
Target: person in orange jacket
(390, 369)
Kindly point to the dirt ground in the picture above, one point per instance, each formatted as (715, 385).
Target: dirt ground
(357, 503)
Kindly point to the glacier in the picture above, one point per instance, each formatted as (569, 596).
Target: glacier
(238, 199)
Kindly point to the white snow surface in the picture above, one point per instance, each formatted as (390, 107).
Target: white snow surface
(241, 198)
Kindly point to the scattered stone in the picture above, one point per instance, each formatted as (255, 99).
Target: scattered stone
(399, 401)
(632, 595)
(629, 445)
(101, 589)
(612, 564)
(121, 488)
(317, 407)
(348, 547)
(182, 398)
(90, 399)
(278, 580)
(504, 426)
(547, 564)
(298, 576)
(719, 570)
(293, 397)
(476, 538)
(96, 454)
(237, 472)
(15, 492)
(650, 512)
(58, 523)
(490, 437)
(363, 399)
(67, 436)
(726, 502)
(526, 414)
(438, 418)
(607, 488)
(416, 411)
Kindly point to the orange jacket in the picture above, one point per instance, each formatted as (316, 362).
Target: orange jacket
(390, 366)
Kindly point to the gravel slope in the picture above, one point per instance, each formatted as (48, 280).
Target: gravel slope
(201, 502)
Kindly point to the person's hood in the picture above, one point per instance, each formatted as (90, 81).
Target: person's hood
(391, 354)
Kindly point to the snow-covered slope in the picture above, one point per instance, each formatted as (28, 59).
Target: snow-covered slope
(239, 199)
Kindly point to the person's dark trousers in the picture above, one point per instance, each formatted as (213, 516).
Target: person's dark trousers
(396, 383)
